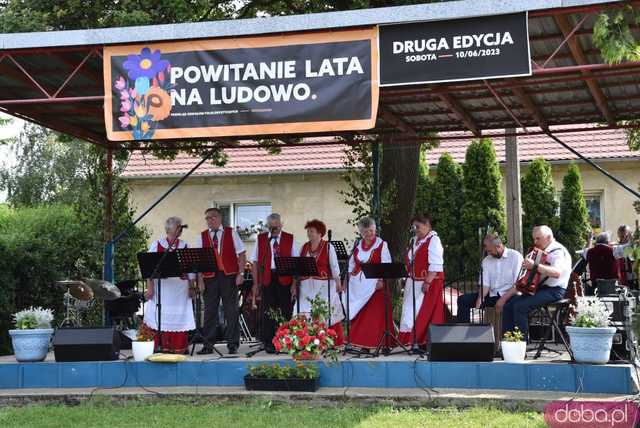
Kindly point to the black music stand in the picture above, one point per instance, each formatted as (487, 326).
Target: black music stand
(157, 266)
(296, 266)
(198, 260)
(386, 271)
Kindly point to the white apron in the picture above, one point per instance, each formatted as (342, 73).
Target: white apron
(177, 309)
(362, 288)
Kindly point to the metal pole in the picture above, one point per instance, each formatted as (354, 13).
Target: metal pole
(108, 213)
(375, 163)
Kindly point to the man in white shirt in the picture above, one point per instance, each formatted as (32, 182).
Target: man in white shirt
(554, 281)
(230, 259)
(276, 290)
(500, 270)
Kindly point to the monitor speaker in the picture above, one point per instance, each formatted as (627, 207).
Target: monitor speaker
(461, 342)
(86, 344)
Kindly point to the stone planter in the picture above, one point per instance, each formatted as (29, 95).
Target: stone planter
(292, 384)
(513, 352)
(32, 344)
(142, 350)
(591, 344)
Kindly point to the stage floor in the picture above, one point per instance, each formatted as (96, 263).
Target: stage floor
(552, 372)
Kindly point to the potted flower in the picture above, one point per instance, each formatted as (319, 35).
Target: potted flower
(32, 335)
(589, 333)
(308, 338)
(514, 347)
(275, 377)
(248, 233)
(143, 345)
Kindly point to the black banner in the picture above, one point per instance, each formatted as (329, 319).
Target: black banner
(251, 86)
(444, 51)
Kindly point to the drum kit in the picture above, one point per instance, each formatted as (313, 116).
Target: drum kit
(80, 296)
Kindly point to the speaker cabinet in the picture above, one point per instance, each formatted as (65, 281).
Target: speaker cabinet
(86, 344)
(461, 342)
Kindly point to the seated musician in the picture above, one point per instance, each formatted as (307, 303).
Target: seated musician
(602, 264)
(177, 312)
(327, 284)
(626, 276)
(554, 274)
(366, 295)
(276, 290)
(500, 269)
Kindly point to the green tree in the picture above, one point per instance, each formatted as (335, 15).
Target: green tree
(483, 199)
(424, 190)
(539, 202)
(574, 217)
(446, 204)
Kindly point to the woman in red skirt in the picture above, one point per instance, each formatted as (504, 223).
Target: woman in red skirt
(366, 295)
(425, 265)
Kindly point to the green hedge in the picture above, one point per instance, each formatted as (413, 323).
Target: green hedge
(38, 246)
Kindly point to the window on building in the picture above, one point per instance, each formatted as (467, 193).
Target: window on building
(594, 208)
(246, 218)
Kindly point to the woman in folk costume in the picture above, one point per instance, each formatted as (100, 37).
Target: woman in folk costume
(328, 274)
(177, 310)
(425, 263)
(366, 295)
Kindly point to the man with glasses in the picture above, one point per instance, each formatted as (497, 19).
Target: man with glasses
(231, 258)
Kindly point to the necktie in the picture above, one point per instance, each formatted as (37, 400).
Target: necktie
(276, 247)
(215, 239)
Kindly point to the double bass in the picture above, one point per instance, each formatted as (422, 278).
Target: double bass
(529, 280)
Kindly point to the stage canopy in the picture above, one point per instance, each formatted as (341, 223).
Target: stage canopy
(56, 78)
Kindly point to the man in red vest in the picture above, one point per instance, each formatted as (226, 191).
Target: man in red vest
(276, 290)
(231, 258)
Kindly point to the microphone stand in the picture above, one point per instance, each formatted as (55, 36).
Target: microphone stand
(481, 290)
(347, 347)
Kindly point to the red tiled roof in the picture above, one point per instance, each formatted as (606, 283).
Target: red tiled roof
(597, 144)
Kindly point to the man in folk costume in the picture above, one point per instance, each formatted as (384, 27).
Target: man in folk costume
(425, 264)
(177, 311)
(366, 295)
(276, 290)
(328, 276)
(231, 259)
(555, 275)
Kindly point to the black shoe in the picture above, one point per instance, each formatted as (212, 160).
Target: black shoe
(233, 351)
(205, 351)
(269, 349)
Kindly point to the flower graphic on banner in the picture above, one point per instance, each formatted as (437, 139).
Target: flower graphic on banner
(144, 93)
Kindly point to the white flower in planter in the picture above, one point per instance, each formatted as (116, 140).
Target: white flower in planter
(591, 312)
(33, 318)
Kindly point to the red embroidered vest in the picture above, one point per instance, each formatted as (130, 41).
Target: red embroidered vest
(285, 247)
(420, 262)
(227, 259)
(322, 259)
(161, 249)
(374, 257)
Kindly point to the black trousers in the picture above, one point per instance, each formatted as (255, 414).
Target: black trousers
(221, 287)
(275, 297)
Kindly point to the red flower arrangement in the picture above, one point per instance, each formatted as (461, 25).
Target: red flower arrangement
(306, 339)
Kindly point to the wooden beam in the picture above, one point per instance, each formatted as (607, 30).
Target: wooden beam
(397, 122)
(527, 101)
(457, 109)
(580, 59)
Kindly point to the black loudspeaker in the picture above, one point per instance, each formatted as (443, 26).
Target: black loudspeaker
(86, 344)
(461, 342)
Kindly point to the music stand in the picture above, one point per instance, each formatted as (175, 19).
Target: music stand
(341, 250)
(296, 266)
(198, 260)
(386, 271)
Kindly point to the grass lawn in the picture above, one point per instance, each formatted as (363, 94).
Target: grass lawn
(101, 412)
